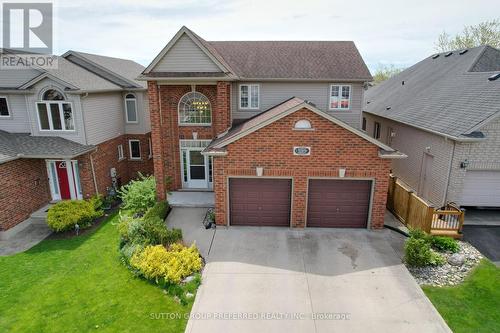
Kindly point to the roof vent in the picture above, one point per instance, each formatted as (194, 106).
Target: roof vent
(435, 56)
(448, 54)
(403, 82)
(388, 108)
(463, 51)
(494, 77)
(367, 102)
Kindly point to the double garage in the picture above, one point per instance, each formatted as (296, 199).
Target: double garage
(331, 203)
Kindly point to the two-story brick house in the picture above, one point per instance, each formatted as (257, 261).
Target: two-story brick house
(69, 132)
(273, 128)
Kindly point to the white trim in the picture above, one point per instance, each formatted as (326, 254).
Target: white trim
(302, 105)
(55, 192)
(130, 150)
(46, 75)
(61, 116)
(121, 156)
(150, 147)
(249, 86)
(126, 99)
(339, 97)
(8, 108)
(174, 40)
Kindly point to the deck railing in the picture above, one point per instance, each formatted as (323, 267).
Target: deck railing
(417, 213)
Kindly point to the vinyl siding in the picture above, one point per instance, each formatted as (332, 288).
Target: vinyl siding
(273, 93)
(143, 126)
(13, 78)
(185, 56)
(18, 122)
(414, 143)
(104, 116)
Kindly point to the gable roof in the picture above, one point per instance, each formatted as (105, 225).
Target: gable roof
(280, 111)
(23, 145)
(448, 94)
(287, 60)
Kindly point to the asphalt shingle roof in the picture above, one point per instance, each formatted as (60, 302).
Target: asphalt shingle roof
(441, 94)
(23, 145)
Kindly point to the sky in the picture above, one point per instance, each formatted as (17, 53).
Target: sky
(397, 32)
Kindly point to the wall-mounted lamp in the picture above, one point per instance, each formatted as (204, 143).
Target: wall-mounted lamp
(464, 164)
(341, 173)
(260, 171)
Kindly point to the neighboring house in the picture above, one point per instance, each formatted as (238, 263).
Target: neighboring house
(273, 128)
(70, 132)
(444, 112)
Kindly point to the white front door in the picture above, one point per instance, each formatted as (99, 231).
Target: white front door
(196, 169)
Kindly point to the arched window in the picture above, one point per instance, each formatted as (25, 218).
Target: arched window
(131, 108)
(195, 109)
(303, 124)
(54, 114)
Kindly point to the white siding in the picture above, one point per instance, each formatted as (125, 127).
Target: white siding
(143, 125)
(18, 122)
(415, 143)
(185, 56)
(272, 93)
(13, 78)
(104, 116)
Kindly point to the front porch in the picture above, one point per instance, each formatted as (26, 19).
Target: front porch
(204, 199)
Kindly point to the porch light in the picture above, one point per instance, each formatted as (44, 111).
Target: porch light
(260, 171)
(464, 164)
(341, 173)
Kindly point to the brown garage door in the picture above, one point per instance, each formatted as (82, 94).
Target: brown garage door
(338, 203)
(260, 202)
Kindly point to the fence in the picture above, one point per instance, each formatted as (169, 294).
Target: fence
(416, 213)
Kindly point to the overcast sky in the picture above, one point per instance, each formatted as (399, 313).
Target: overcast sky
(399, 32)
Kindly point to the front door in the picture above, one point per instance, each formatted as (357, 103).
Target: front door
(196, 169)
(62, 178)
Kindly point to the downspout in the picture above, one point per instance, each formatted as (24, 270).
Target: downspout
(449, 172)
(93, 170)
(82, 97)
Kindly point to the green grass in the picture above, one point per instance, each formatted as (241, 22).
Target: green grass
(473, 306)
(80, 285)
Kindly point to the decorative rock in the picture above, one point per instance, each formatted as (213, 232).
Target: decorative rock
(177, 299)
(189, 295)
(456, 259)
(188, 279)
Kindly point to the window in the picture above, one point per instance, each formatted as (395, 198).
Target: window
(54, 114)
(4, 107)
(363, 126)
(134, 149)
(303, 124)
(120, 152)
(150, 148)
(340, 97)
(249, 96)
(131, 108)
(195, 109)
(376, 130)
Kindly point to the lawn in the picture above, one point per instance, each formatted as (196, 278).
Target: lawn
(473, 306)
(79, 285)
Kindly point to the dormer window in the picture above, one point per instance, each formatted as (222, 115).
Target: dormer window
(303, 124)
(54, 113)
(131, 108)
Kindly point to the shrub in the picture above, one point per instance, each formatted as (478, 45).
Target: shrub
(441, 243)
(160, 210)
(418, 234)
(139, 195)
(66, 214)
(418, 253)
(128, 250)
(162, 265)
(97, 201)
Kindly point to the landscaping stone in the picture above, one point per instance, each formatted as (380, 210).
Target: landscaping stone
(189, 295)
(456, 259)
(449, 274)
(188, 279)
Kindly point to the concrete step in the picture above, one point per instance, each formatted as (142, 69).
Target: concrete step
(40, 216)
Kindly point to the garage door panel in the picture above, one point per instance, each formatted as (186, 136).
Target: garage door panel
(259, 202)
(481, 188)
(338, 203)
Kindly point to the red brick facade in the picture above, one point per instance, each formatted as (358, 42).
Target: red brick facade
(166, 132)
(26, 189)
(23, 189)
(332, 148)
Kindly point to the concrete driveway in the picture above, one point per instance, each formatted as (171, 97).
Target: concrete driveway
(315, 280)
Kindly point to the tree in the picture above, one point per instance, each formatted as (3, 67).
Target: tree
(385, 72)
(484, 33)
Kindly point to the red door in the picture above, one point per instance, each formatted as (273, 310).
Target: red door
(62, 176)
